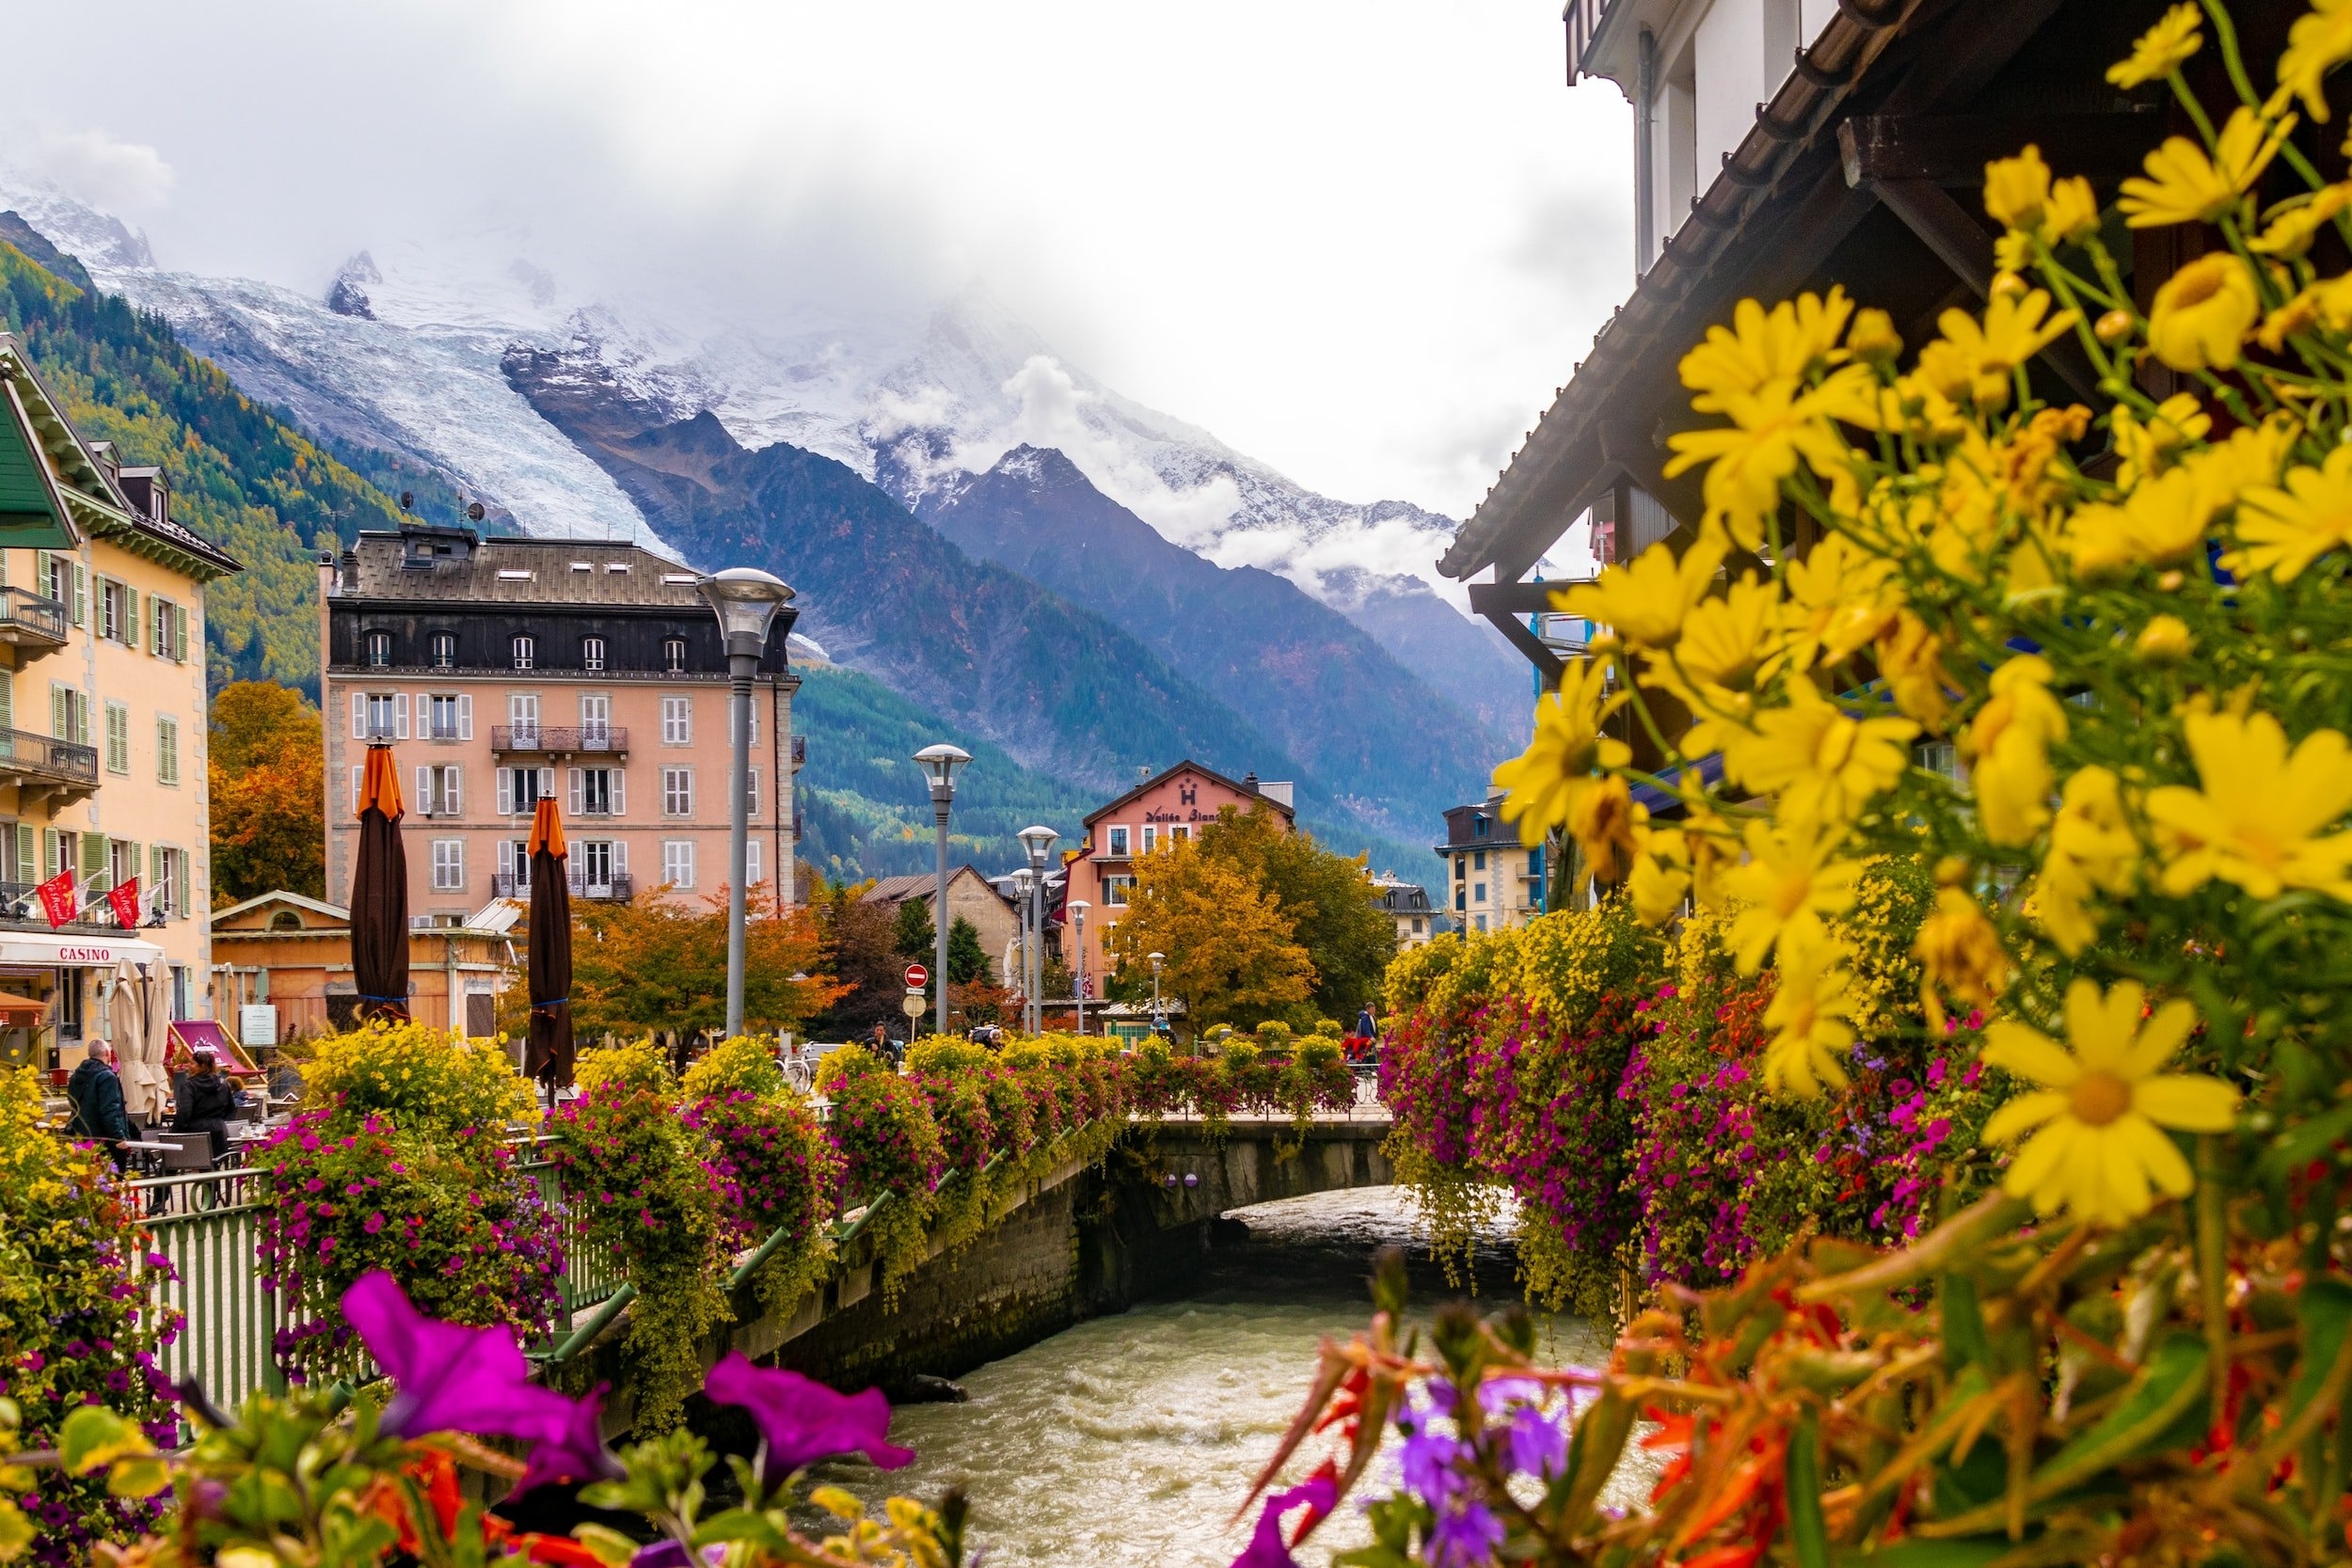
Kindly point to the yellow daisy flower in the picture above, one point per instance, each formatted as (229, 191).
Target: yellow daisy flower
(2101, 1107)
(2160, 50)
(1658, 880)
(1644, 602)
(1726, 640)
(2284, 529)
(1840, 598)
(1809, 1016)
(1959, 952)
(1791, 880)
(1541, 782)
(2204, 312)
(2009, 742)
(1771, 431)
(2184, 186)
(2074, 210)
(1910, 661)
(1973, 359)
(2017, 190)
(1606, 821)
(1824, 764)
(2146, 448)
(2161, 520)
(2316, 44)
(2259, 817)
(2092, 849)
(2291, 228)
(1874, 337)
(1763, 346)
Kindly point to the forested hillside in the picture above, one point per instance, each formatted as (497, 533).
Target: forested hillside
(242, 477)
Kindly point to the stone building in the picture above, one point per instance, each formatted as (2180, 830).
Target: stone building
(505, 670)
(971, 896)
(1496, 882)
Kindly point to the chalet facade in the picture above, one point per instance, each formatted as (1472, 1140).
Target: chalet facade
(1165, 809)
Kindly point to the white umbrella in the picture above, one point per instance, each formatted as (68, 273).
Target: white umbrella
(138, 1039)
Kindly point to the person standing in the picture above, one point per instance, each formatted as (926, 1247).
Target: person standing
(98, 1112)
(206, 1103)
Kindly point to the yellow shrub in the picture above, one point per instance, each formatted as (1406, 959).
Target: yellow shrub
(634, 1064)
(418, 1077)
(745, 1062)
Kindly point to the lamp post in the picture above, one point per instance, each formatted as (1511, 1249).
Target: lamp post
(1078, 907)
(746, 600)
(941, 760)
(1022, 882)
(1159, 1019)
(1037, 840)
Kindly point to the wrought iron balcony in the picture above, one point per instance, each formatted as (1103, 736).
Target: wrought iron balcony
(45, 768)
(616, 888)
(33, 624)
(569, 739)
(800, 751)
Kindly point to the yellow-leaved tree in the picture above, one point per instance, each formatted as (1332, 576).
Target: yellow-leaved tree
(1229, 953)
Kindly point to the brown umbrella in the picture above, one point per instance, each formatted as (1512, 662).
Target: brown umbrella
(379, 895)
(549, 1056)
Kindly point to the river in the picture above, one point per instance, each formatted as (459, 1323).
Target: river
(1129, 1440)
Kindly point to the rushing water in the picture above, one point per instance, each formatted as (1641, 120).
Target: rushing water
(1131, 1439)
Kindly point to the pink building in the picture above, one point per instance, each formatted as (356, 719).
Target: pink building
(505, 670)
(1158, 812)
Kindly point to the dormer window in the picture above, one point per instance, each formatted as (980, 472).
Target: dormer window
(592, 652)
(155, 501)
(380, 649)
(673, 656)
(526, 652)
(444, 650)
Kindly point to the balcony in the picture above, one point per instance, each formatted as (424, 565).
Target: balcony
(800, 751)
(615, 889)
(34, 625)
(565, 741)
(47, 770)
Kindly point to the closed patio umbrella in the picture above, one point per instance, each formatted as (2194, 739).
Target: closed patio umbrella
(550, 1055)
(139, 1024)
(379, 895)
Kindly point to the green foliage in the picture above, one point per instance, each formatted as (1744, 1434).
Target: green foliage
(912, 930)
(967, 960)
(744, 1062)
(850, 1061)
(242, 477)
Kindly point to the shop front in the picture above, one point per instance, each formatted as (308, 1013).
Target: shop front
(88, 989)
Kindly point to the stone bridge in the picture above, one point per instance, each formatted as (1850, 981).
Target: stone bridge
(1083, 1241)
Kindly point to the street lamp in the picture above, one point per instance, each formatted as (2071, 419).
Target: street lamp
(1078, 907)
(1037, 840)
(940, 761)
(1159, 1019)
(746, 600)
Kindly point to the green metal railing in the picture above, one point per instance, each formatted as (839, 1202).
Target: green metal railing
(209, 1225)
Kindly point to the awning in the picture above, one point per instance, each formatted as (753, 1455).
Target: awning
(76, 952)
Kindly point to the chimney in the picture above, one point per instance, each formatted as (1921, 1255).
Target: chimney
(328, 581)
(1277, 791)
(1249, 783)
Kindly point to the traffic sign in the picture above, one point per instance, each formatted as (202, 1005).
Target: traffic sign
(917, 976)
(913, 1007)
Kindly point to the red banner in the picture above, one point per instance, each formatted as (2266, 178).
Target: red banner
(124, 896)
(57, 898)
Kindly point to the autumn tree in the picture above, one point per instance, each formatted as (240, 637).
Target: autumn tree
(1328, 898)
(656, 963)
(1232, 954)
(860, 934)
(266, 772)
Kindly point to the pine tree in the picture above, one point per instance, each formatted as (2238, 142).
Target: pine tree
(967, 960)
(912, 935)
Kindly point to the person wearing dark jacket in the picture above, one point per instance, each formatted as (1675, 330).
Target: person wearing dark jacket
(97, 1096)
(205, 1103)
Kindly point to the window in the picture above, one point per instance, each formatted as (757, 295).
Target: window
(1151, 838)
(1118, 850)
(755, 712)
(596, 863)
(1461, 895)
(520, 789)
(678, 861)
(1479, 827)
(1937, 757)
(1115, 891)
(1478, 893)
(117, 611)
(438, 792)
(170, 631)
(677, 792)
(167, 881)
(448, 716)
(69, 713)
(595, 718)
(526, 652)
(1482, 923)
(753, 875)
(1478, 861)
(677, 720)
(1417, 925)
(1461, 867)
(449, 865)
(522, 716)
(444, 650)
(380, 649)
(1180, 832)
(383, 716)
(118, 738)
(673, 656)
(596, 795)
(166, 750)
(751, 795)
(592, 652)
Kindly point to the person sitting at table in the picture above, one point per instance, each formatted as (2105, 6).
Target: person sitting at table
(206, 1102)
(96, 1092)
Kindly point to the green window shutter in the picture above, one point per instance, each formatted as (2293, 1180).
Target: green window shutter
(60, 721)
(81, 595)
(27, 870)
(180, 632)
(130, 616)
(134, 856)
(40, 573)
(93, 854)
(7, 705)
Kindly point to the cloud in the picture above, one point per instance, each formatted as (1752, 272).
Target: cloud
(1053, 414)
(101, 169)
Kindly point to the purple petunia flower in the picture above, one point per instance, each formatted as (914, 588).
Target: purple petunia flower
(802, 1421)
(1428, 1458)
(450, 1378)
(1266, 1548)
(1465, 1537)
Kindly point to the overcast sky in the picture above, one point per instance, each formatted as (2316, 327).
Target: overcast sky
(1361, 241)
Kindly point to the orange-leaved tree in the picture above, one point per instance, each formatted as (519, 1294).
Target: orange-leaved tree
(1230, 951)
(267, 769)
(661, 963)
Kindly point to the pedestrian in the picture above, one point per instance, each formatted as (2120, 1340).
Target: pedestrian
(98, 1112)
(1365, 1028)
(882, 1040)
(206, 1102)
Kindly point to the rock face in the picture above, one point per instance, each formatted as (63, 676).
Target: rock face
(347, 296)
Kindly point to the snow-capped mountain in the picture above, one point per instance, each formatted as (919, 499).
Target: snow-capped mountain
(401, 349)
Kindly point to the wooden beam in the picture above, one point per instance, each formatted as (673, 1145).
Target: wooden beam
(1515, 599)
(1952, 149)
(1548, 664)
(1960, 243)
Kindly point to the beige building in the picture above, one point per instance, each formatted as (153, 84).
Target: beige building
(102, 721)
(290, 956)
(970, 896)
(505, 670)
(1407, 904)
(1497, 883)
